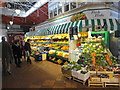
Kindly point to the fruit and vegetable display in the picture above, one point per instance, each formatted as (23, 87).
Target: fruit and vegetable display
(77, 17)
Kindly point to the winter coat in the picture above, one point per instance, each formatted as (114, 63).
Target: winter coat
(17, 50)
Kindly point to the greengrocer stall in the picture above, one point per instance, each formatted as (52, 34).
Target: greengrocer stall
(83, 51)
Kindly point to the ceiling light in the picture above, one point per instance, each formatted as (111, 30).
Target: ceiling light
(8, 27)
(17, 11)
(11, 22)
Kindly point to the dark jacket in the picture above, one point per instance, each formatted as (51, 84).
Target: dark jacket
(17, 50)
(27, 47)
(6, 49)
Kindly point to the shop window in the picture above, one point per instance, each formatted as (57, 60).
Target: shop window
(51, 14)
(73, 5)
(55, 12)
(59, 10)
(66, 7)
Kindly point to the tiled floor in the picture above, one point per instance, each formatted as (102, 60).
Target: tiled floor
(42, 74)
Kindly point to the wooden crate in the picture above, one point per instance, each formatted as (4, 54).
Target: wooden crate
(68, 76)
(112, 81)
(66, 72)
(95, 83)
(104, 72)
(112, 84)
(78, 80)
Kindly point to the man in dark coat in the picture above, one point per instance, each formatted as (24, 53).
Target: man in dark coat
(17, 52)
(7, 56)
(28, 50)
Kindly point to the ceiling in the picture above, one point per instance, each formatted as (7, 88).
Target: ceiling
(36, 17)
(23, 6)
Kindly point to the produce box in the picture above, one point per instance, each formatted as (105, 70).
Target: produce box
(109, 79)
(75, 73)
(67, 72)
(83, 77)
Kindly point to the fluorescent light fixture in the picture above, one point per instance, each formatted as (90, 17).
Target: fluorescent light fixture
(11, 22)
(17, 11)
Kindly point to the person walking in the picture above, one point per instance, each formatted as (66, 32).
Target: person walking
(17, 53)
(28, 50)
(7, 56)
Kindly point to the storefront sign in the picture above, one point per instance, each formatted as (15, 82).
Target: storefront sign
(98, 14)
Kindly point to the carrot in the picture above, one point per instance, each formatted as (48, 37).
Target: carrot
(108, 59)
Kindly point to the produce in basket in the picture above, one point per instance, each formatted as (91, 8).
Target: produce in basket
(83, 72)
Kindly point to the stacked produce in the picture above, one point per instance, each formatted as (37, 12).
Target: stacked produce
(76, 70)
(95, 55)
(78, 17)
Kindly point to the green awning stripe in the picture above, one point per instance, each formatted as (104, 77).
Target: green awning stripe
(65, 26)
(63, 30)
(52, 29)
(86, 24)
(118, 25)
(71, 25)
(55, 29)
(98, 22)
(68, 27)
(93, 24)
(48, 31)
(111, 24)
(74, 23)
(105, 26)
(58, 32)
(80, 26)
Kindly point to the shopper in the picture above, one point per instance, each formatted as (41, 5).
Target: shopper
(7, 56)
(17, 53)
(28, 50)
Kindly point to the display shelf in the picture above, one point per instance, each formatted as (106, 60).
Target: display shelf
(59, 50)
(51, 43)
(53, 55)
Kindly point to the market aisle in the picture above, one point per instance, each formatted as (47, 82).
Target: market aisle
(42, 74)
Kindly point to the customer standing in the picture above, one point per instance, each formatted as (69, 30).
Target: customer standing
(17, 53)
(7, 56)
(28, 50)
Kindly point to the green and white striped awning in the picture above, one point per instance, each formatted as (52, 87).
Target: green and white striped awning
(110, 25)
